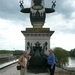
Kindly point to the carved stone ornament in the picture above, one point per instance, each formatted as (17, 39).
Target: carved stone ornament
(38, 62)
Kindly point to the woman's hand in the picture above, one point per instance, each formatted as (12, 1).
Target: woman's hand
(28, 57)
(22, 65)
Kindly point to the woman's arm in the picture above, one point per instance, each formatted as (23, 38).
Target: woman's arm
(20, 61)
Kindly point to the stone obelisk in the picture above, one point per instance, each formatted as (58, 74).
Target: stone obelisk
(37, 39)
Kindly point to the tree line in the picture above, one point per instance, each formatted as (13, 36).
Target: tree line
(16, 52)
(70, 53)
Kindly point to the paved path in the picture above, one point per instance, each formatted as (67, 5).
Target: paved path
(11, 70)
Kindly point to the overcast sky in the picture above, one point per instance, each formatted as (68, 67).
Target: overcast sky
(12, 22)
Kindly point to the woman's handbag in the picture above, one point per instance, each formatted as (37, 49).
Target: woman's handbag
(18, 67)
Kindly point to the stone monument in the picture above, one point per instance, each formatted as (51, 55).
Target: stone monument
(37, 39)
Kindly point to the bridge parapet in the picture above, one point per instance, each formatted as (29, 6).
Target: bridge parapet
(6, 55)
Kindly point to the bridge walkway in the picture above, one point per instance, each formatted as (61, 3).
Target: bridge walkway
(11, 70)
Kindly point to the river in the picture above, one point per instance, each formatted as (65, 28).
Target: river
(71, 62)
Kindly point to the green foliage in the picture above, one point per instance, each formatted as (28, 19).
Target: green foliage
(72, 53)
(6, 52)
(61, 56)
(16, 52)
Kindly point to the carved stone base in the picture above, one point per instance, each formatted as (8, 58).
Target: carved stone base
(37, 73)
(38, 61)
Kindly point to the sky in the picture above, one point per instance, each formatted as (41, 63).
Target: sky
(12, 22)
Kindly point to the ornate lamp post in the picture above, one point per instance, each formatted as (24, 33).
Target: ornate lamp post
(37, 39)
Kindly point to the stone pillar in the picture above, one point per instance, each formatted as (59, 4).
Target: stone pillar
(37, 44)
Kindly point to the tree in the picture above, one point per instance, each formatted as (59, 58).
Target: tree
(72, 53)
(6, 52)
(17, 52)
(61, 56)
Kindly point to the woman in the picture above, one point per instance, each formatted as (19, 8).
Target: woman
(51, 62)
(23, 62)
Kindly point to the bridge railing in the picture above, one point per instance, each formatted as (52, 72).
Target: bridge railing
(6, 55)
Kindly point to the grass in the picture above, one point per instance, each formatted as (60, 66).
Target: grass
(64, 73)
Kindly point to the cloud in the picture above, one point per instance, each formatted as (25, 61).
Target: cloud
(59, 23)
(69, 4)
(65, 41)
(64, 35)
(10, 35)
(73, 15)
(66, 7)
(12, 6)
(11, 10)
(12, 21)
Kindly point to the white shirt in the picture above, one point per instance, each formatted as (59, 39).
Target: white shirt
(25, 62)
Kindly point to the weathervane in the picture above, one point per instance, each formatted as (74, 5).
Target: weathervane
(37, 11)
(53, 5)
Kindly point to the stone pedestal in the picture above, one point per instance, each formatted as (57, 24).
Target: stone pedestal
(41, 35)
(37, 44)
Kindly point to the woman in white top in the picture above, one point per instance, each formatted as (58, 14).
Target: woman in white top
(23, 62)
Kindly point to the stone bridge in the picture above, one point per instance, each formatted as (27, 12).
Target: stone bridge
(6, 55)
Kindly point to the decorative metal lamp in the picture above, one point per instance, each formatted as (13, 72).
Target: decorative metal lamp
(37, 6)
(37, 12)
